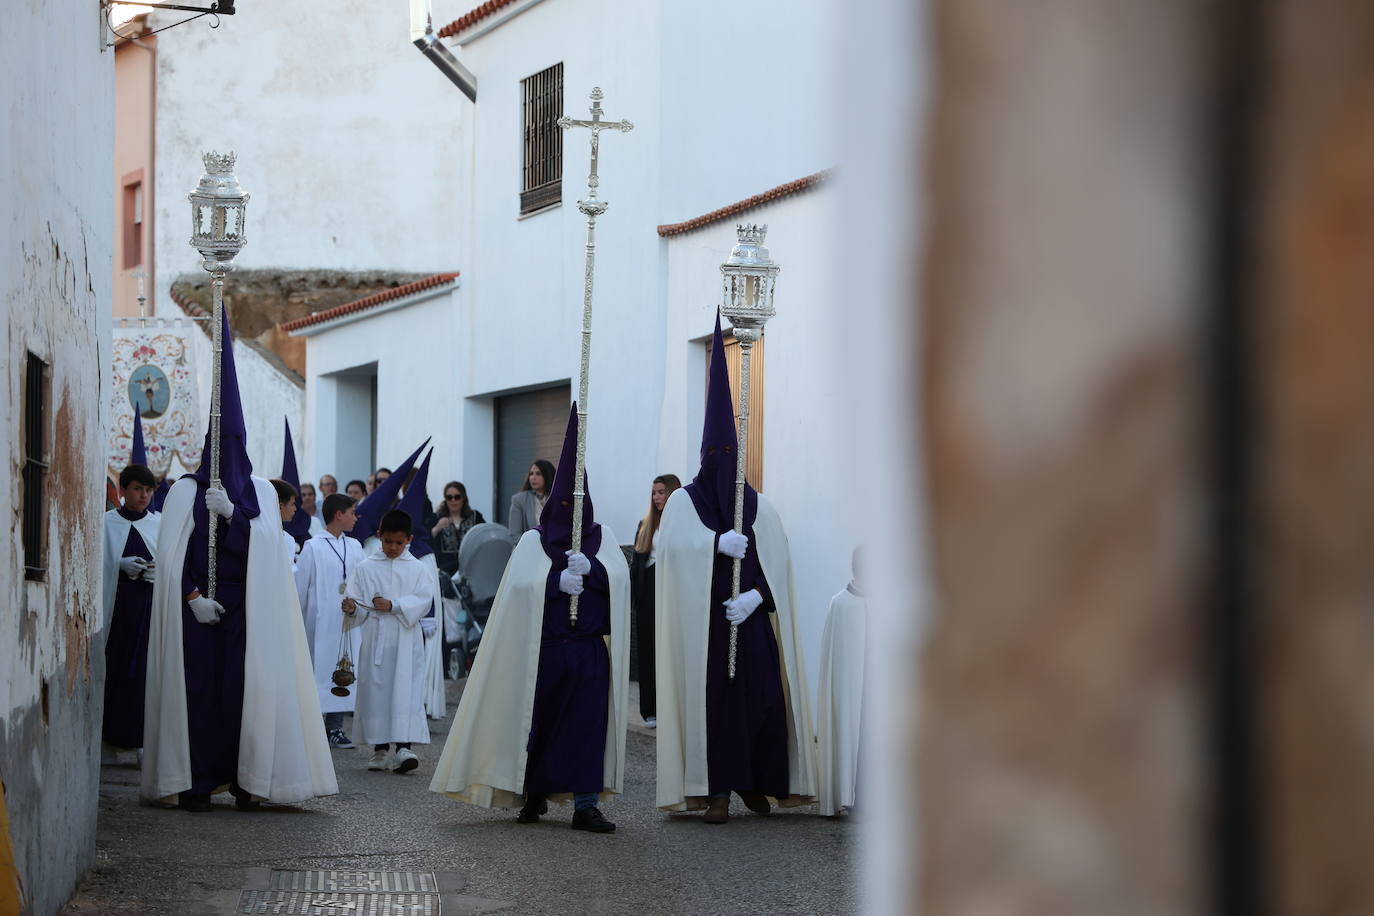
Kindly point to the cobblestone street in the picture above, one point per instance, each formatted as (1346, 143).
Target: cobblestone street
(169, 863)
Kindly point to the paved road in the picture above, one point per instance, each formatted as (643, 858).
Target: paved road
(169, 863)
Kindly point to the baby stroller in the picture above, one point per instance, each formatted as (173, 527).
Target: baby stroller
(481, 564)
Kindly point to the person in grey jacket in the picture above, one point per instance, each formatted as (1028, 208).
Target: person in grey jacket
(526, 505)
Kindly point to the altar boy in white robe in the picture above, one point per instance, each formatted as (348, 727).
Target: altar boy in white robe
(321, 571)
(839, 719)
(386, 596)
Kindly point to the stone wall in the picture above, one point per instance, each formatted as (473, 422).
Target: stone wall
(55, 285)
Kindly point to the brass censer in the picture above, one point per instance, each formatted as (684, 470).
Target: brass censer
(343, 673)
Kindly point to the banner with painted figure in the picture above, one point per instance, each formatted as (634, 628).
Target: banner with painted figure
(154, 368)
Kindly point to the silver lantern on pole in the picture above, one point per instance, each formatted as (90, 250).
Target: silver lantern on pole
(218, 209)
(591, 207)
(748, 280)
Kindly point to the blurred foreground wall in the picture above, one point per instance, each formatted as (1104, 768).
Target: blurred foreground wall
(1148, 402)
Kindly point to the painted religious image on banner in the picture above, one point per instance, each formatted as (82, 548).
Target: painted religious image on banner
(149, 391)
(155, 373)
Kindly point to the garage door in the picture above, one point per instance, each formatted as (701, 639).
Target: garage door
(529, 425)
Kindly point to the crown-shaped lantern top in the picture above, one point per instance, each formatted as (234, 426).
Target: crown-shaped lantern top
(217, 164)
(218, 210)
(749, 277)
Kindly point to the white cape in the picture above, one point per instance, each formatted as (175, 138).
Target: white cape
(682, 589)
(436, 704)
(840, 701)
(319, 573)
(283, 752)
(391, 660)
(116, 536)
(483, 762)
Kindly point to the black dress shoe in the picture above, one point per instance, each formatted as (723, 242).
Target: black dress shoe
(196, 804)
(535, 805)
(593, 820)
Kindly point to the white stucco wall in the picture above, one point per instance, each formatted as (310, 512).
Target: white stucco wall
(748, 99)
(345, 136)
(415, 348)
(55, 283)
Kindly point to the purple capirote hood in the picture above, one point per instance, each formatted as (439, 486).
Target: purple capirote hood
(713, 489)
(235, 470)
(556, 521)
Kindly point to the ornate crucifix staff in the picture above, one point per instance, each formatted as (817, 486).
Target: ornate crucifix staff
(218, 207)
(593, 208)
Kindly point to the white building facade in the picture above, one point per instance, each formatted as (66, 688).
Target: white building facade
(488, 365)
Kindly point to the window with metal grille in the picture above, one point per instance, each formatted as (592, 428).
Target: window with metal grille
(542, 176)
(35, 469)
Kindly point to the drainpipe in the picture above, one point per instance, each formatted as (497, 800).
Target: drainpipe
(423, 37)
(150, 178)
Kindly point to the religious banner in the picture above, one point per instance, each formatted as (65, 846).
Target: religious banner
(154, 368)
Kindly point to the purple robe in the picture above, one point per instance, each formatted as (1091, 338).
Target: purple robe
(214, 654)
(126, 648)
(567, 744)
(746, 721)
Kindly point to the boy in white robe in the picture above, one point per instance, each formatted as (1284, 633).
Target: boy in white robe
(386, 596)
(321, 571)
(839, 719)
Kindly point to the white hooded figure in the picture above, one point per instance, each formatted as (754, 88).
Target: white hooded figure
(840, 700)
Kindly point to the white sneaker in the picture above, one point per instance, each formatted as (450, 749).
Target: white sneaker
(405, 760)
(651, 722)
(378, 760)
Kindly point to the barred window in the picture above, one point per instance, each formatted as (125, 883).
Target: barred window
(542, 176)
(35, 469)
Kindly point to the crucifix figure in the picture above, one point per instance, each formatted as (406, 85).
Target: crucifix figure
(593, 208)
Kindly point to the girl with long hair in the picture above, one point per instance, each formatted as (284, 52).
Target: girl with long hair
(642, 590)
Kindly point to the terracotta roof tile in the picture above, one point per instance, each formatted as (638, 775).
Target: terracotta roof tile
(749, 203)
(367, 302)
(473, 16)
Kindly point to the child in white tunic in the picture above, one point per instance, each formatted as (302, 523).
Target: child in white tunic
(386, 595)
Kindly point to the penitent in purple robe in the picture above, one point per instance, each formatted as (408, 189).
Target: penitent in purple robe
(126, 648)
(214, 654)
(567, 743)
(746, 720)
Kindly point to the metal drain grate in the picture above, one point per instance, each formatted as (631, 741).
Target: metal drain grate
(377, 882)
(316, 903)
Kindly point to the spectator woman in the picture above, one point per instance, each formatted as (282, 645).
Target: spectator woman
(526, 505)
(642, 590)
(356, 490)
(455, 518)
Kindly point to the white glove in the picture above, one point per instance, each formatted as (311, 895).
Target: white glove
(131, 566)
(737, 610)
(150, 574)
(733, 544)
(578, 564)
(207, 610)
(569, 582)
(428, 625)
(218, 502)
